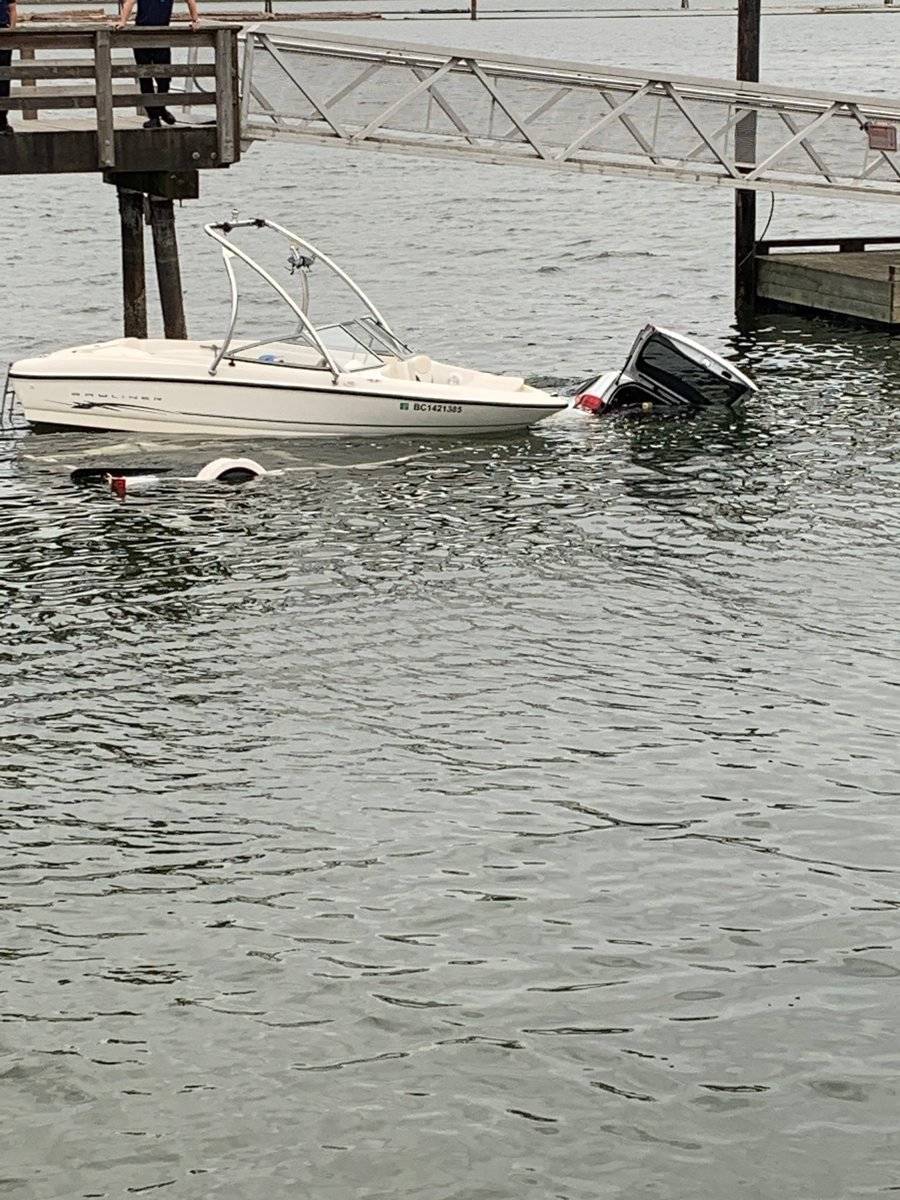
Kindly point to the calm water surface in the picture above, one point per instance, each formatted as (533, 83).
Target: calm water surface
(465, 820)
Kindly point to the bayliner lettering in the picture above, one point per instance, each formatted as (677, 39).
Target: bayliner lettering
(110, 399)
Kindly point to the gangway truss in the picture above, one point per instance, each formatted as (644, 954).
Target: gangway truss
(364, 94)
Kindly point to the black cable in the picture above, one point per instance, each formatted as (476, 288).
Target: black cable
(747, 257)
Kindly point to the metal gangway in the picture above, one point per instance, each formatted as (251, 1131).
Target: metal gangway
(363, 94)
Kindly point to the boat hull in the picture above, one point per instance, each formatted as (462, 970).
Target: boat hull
(243, 409)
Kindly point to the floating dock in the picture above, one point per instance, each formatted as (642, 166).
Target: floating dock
(849, 277)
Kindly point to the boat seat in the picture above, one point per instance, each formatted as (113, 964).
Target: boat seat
(421, 369)
(416, 369)
(498, 383)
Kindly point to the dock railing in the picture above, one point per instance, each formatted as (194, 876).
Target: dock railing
(39, 12)
(87, 76)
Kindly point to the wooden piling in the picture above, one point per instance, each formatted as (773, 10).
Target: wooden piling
(745, 153)
(134, 286)
(744, 256)
(168, 272)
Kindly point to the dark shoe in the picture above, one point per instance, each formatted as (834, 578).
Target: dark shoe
(166, 116)
(152, 123)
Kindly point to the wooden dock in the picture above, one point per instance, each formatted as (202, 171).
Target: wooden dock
(848, 277)
(74, 95)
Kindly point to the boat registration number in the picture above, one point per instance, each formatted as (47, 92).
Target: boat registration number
(434, 408)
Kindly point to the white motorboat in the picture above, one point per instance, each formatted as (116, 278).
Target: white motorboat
(352, 378)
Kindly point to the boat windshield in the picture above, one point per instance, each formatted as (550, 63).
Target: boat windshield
(364, 337)
(360, 344)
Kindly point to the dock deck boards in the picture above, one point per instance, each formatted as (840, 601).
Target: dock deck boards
(69, 124)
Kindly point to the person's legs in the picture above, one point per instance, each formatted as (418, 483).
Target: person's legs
(5, 61)
(164, 57)
(144, 58)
